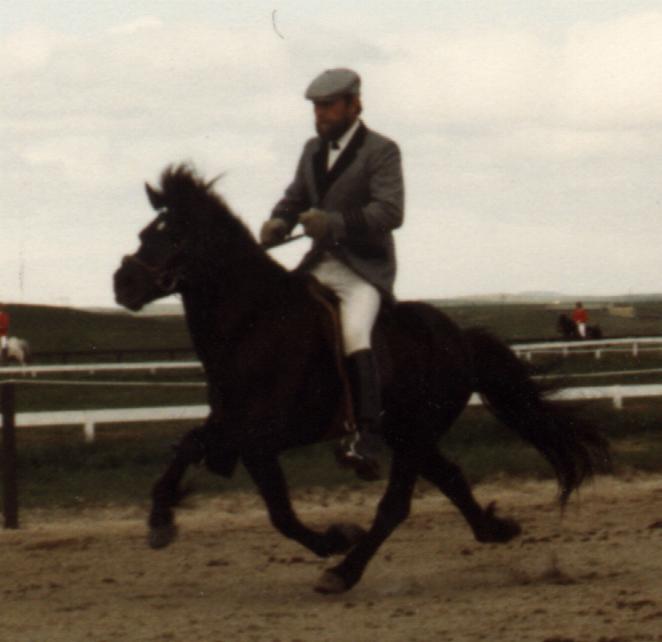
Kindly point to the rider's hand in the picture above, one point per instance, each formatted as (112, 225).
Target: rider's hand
(273, 231)
(315, 223)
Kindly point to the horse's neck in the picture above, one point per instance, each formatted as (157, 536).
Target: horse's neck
(218, 307)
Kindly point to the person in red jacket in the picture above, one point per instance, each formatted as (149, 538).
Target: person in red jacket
(4, 333)
(580, 317)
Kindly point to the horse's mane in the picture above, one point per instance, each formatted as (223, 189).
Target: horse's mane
(187, 193)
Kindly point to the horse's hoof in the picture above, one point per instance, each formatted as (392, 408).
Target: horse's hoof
(505, 530)
(330, 584)
(497, 529)
(161, 536)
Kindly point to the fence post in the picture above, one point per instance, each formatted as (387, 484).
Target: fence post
(9, 483)
(88, 431)
(617, 397)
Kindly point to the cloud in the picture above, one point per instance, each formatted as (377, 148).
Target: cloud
(140, 24)
(507, 124)
(612, 73)
(601, 75)
(473, 79)
(30, 49)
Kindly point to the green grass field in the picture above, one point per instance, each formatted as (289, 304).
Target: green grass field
(66, 329)
(55, 329)
(57, 468)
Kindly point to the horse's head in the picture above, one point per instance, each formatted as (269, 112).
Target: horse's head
(193, 235)
(156, 268)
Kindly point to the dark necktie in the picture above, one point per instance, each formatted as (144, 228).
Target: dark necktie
(334, 144)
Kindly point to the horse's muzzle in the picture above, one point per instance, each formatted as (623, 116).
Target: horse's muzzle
(130, 284)
(137, 283)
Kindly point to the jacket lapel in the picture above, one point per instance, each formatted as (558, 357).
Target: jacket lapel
(324, 179)
(319, 169)
(347, 156)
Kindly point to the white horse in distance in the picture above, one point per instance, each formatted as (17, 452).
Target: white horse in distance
(18, 350)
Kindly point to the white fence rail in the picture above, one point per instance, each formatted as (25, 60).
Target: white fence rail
(632, 345)
(91, 418)
(617, 393)
(91, 368)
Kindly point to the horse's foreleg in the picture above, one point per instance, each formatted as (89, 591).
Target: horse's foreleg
(393, 509)
(268, 476)
(450, 480)
(166, 492)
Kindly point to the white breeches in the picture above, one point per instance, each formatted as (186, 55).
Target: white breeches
(581, 327)
(359, 302)
(4, 341)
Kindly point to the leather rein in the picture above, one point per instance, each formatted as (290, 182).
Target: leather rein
(165, 279)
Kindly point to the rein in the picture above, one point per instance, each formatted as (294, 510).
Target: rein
(285, 241)
(166, 281)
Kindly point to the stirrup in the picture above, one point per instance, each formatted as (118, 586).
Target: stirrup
(365, 466)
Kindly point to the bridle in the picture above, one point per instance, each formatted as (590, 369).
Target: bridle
(165, 279)
(168, 279)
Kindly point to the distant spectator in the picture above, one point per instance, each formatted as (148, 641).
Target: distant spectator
(4, 334)
(580, 317)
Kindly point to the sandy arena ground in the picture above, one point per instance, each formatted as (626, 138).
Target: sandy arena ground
(593, 576)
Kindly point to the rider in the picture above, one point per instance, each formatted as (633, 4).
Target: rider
(580, 317)
(4, 334)
(348, 195)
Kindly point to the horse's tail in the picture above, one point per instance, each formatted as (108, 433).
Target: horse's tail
(574, 447)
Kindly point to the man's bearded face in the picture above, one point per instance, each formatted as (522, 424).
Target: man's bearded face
(334, 117)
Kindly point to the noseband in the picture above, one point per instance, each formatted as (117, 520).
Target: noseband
(166, 280)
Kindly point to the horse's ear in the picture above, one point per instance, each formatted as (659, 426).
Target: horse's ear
(155, 198)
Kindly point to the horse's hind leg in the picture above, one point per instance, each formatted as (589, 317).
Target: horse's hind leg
(393, 509)
(268, 476)
(450, 480)
(166, 492)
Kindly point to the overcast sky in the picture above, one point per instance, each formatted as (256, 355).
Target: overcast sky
(531, 132)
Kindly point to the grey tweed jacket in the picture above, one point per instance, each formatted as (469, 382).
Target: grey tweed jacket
(363, 195)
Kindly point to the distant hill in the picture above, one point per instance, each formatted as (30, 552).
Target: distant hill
(61, 329)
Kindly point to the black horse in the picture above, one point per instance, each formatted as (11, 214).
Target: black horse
(568, 329)
(267, 345)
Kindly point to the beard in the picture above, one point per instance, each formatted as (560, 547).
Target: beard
(332, 131)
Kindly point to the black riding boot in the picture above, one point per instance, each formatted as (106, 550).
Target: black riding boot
(363, 450)
(4, 355)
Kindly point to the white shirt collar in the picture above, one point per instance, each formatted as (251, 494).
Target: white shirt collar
(347, 136)
(343, 141)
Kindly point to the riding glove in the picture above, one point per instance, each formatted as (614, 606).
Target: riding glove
(315, 223)
(273, 231)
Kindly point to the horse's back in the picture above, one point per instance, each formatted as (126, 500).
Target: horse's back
(421, 324)
(423, 356)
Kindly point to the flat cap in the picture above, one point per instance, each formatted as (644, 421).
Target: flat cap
(332, 83)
